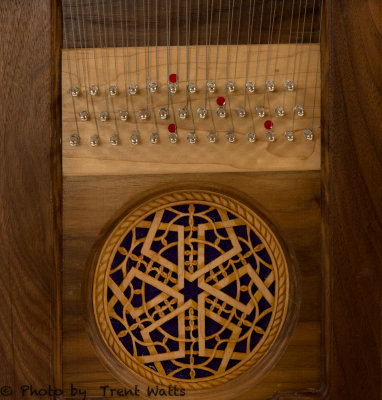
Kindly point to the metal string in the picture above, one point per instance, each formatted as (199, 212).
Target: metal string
(150, 95)
(156, 43)
(82, 54)
(168, 49)
(217, 41)
(259, 42)
(309, 52)
(251, 14)
(94, 52)
(206, 88)
(188, 33)
(113, 42)
(278, 39)
(136, 43)
(123, 52)
(197, 44)
(65, 39)
(147, 61)
(300, 61)
(229, 36)
(107, 65)
(237, 42)
(74, 45)
(270, 36)
(87, 63)
(317, 66)
(102, 59)
(208, 43)
(289, 45)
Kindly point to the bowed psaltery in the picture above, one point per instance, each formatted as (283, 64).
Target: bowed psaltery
(191, 288)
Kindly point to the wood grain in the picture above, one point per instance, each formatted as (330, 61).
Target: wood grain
(30, 195)
(353, 167)
(90, 203)
(184, 157)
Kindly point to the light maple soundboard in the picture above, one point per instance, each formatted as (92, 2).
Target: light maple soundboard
(203, 156)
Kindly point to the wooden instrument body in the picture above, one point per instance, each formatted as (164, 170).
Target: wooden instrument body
(40, 315)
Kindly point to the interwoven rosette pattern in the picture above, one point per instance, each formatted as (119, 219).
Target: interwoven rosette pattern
(191, 287)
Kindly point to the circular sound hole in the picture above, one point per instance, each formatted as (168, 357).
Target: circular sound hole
(190, 288)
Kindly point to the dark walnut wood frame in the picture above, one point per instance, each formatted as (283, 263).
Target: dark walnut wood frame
(30, 192)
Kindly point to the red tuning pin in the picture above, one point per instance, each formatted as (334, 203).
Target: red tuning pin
(220, 101)
(268, 125)
(172, 128)
(172, 78)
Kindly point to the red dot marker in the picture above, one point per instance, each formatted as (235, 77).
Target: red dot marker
(268, 124)
(220, 101)
(172, 128)
(172, 78)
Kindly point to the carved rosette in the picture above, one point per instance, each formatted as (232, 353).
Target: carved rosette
(191, 289)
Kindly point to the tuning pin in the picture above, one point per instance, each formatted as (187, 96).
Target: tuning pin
(172, 136)
(113, 90)
(230, 86)
(94, 140)
(163, 113)
(74, 140)
(191, 87)
(299, 110)
(211, 86)
(251, 137)
(123, 115)
(133, 88)
(240, 111)
(308, 134)
(211, 136)
(230, 136)
(289, 86)
(191, 137)
(153, 87)
(172, 87)
(93, 90)
(134, 138)
(259, 110)
(270, 86)
(182, 112)
(154, 138)
(84, 115)
(289, 136)
(172, 83)
(103, 116)
(250, 87)
(270, 136)
(220, 112)
(114, 139)
(144, 114)
(279, 110)
(202, 112)
(75, 91)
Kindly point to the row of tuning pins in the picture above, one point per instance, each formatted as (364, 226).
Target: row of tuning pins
(202, 112)
(191, 137)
